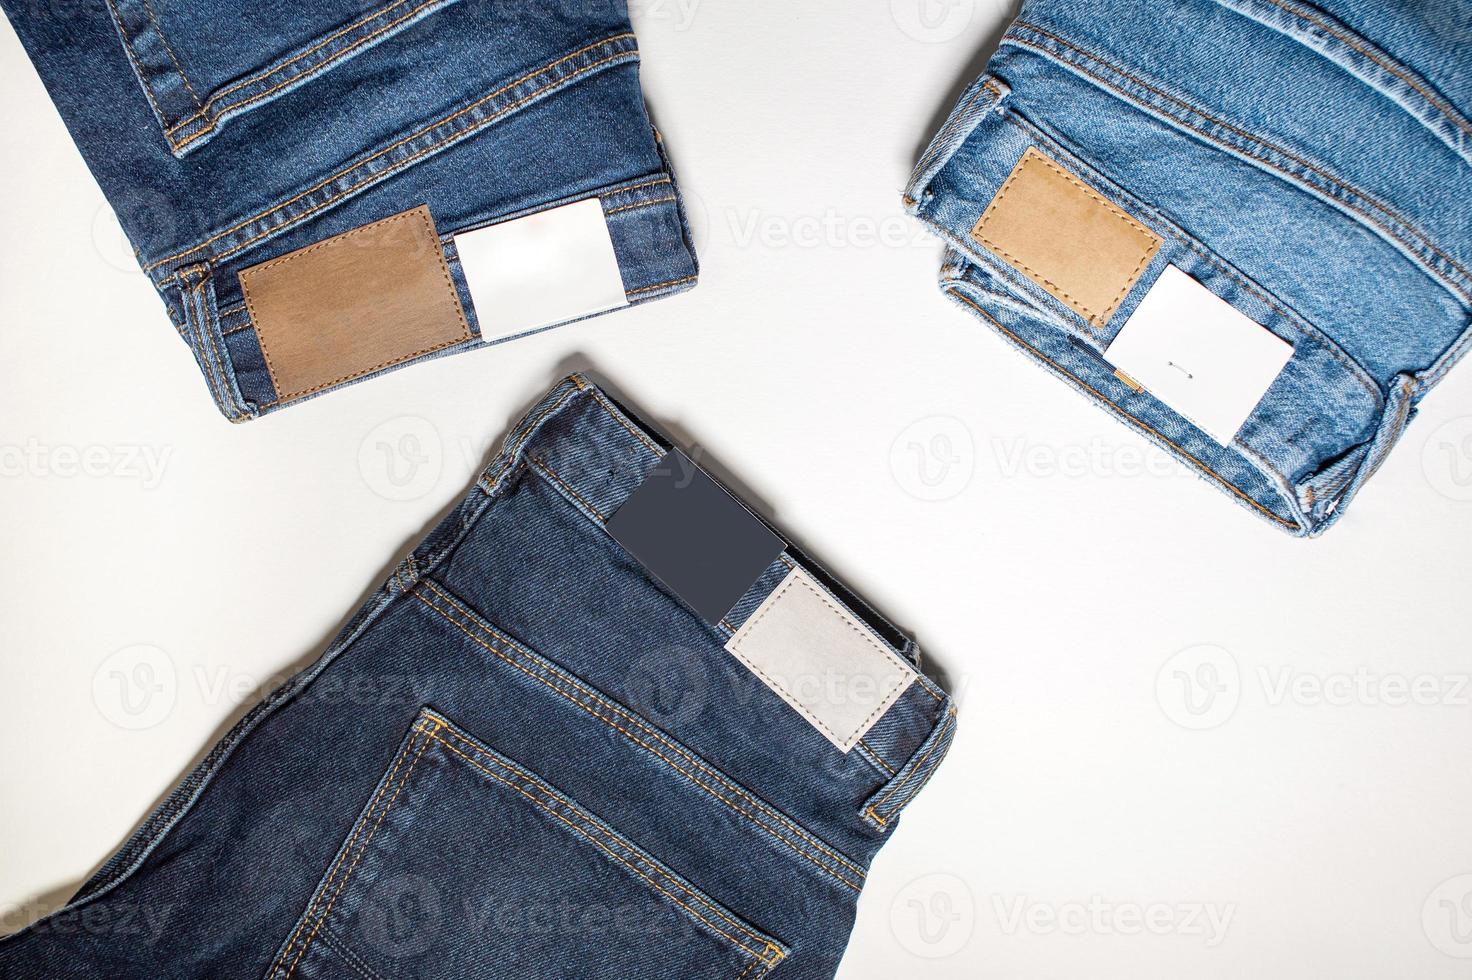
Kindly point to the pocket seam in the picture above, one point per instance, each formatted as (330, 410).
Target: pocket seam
(771, 954)
(800, 841)
(428, 731)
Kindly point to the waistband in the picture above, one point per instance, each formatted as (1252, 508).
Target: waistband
(595, 453)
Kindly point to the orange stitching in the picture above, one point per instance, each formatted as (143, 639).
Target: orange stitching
(640, 204)
(1153, 241)
(917, 774)
(634, 187)
(169, 48)
(617, 709)
(332, 871)
(526, 434)
(618, 417)
(542, 465)
(883, 764)
(404, 163)
(757, 807)
(408, 139)
(608, 835)
(444, 271)
(661, 285)
(276, 68)
(430, 732)
(133, 60)
(305, 73)
(206, 329)
(1121, 412)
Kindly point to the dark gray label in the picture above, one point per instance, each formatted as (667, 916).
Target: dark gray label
(694, 536)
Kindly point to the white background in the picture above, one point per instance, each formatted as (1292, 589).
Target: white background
(1065, 576)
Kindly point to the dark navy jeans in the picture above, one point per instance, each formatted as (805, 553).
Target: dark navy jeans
(522, 758)
(227, 134)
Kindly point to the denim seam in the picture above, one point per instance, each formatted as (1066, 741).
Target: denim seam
(1182, 238)
(1117, 410)
(804, 840)
(662, 285)
(349, 955)
(917, 777)
(640, 204)
(491, 481)
(444, 269)
(169, 48)
(770, 954)
(561, 80)
(541, 465)
(117, 18)
(1424, 88)
(341, 885)
(214, 116)
(1254, 148)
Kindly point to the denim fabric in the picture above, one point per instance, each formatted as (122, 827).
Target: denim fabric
(1310, 165)
(225, 134)
(521, 758)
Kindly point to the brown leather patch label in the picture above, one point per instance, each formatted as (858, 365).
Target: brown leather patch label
(1066, 237)
(353, 304)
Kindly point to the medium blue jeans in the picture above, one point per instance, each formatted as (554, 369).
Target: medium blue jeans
(523, 757)
(1310, 165)
(226, 135)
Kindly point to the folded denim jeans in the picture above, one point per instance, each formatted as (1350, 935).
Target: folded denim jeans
(524, 757)
(329, 152)
(1309, 165)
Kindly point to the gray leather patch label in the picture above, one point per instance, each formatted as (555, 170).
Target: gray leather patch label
(821, 659)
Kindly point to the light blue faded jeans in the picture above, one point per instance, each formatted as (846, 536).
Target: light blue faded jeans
(1310, 165)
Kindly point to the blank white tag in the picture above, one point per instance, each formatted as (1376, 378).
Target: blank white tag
(819, 658)
(1195, 352)
(547, 268)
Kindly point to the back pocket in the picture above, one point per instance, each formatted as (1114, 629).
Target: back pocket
(465, 865)
(200, 64)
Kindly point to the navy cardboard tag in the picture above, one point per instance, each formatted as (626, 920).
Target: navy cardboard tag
(694, 536)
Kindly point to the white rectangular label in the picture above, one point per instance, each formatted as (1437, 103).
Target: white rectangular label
(544, 269)
(819, 658)
(1195, 352)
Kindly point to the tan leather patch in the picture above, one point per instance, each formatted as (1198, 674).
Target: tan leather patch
(1066, 237)
(353, 304)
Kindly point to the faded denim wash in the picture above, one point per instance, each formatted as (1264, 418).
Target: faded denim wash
(1311, 165)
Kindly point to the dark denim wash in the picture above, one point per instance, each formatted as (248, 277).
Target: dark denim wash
(227, 133)
(1309, 164)
(522, 758)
